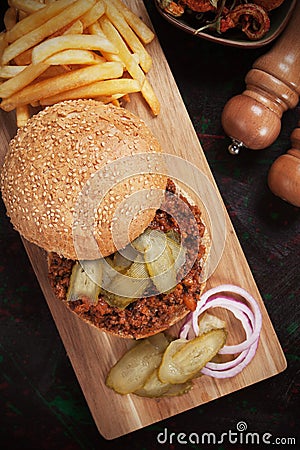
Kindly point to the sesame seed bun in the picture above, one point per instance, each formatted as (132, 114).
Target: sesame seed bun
(55, 155)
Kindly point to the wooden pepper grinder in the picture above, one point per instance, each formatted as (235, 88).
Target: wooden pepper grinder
(253, 119)
(284, 175)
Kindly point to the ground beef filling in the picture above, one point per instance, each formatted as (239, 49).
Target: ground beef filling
(150, 314)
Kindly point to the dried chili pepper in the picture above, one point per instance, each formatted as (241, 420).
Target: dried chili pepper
(200, 5)
(173, 8)
(253, 20)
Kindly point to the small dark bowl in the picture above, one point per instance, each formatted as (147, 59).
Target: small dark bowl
(279, 18)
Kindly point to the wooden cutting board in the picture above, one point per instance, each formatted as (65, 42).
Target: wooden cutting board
(92, 353)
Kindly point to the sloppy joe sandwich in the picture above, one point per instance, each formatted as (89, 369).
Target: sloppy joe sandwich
(132, 281)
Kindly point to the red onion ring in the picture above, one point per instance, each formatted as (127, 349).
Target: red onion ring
(186, 328)
(242, 313)
(250, 317)
(232, 372)
(237, 360)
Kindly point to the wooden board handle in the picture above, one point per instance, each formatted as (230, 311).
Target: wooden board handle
(253, 119)
(284, 175)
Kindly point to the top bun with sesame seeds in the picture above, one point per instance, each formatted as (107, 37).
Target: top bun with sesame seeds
(54, 157)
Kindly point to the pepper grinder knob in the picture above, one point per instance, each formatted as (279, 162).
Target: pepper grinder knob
(284, 175)
(253, 119)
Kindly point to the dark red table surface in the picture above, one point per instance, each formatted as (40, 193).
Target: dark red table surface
(41, 404)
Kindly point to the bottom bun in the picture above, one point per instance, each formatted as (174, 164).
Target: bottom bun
(148, 315)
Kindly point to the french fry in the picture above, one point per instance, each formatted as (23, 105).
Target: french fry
(128, 35)
(93, 14)
(150, 97)
(34, 37)
(72, 28)
(24, 59)
(29, 6)
(74, 57)
(3, 43)
(22, 115)
(20, 81)
(33, 21)
(10, 18)
(74, 41)
(63, 30)
(126, 98)
(53, 71)
(131, 65)
(106, 88)
(61, 83)
(139, 27)
(96, 29)
(75, 28)
(22, 15)
(108, 98)
(115, 102)
(129, 61)
(10, 71)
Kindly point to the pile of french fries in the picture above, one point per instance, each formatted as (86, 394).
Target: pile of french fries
(55, 50)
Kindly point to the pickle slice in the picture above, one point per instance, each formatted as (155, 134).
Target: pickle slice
(120, 263)
(133, 369)
(178, 389)
(153, 241)
(208, 322)
(155, 388)
(85, 281)
(160, 341)
(138, 269)
(162, 269)
(183, 360)
(163, 255)
(174, 236)
(167, 366)
(134, 281)
(178, 252)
